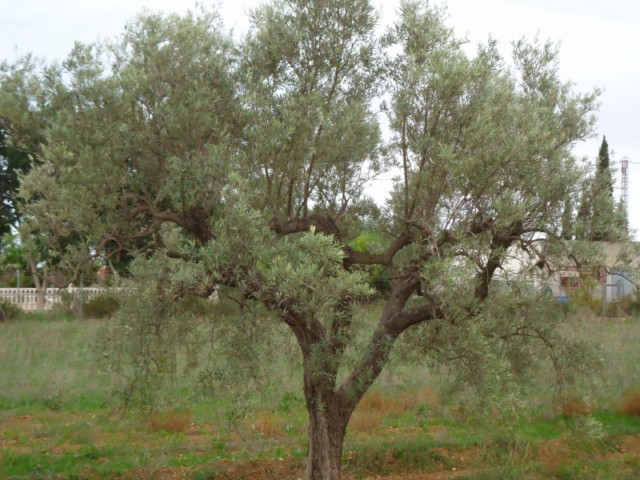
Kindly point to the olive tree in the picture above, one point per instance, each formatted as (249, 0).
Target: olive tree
(239, 167)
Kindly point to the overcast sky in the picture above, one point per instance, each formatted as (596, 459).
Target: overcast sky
(600, 47)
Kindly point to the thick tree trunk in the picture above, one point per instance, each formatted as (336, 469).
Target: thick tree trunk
(41, 301)
(327, 428)
(330, 407)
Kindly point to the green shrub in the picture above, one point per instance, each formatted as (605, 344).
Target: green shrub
(68, 304)
(630, 305)
(627, 306)
(195, 305)
(9, 311)
(377, 277)
(102, 306)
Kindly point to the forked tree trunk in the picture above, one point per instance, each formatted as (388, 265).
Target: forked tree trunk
(330, 407)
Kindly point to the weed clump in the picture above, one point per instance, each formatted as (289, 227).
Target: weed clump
(170, 421)
(9, 311)
(631, 404)
(574, 406)
(102, 306)
(267, 425)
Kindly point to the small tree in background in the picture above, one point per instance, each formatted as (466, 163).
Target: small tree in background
(241, 168)
(599, 218)
(13, 162)
(567, 219)
(12, 258)
(603, 214)
(604, 163)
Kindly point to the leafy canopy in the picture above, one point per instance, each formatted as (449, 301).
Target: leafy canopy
(241, 166)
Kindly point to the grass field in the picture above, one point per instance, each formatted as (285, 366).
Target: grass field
(58, 419)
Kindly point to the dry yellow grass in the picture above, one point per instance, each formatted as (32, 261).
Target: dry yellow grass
(366, 420)
(631, 403)
(170, 421)
(574, 406)
(375, 406)
(377, 401)
(268, 425)
(553, 455)
(425, 396)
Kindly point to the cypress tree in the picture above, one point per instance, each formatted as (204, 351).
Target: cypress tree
(567, 220)
(604, 171)
(605, 225)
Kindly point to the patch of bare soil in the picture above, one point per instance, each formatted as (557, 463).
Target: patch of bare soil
(553, 455)
(426, 476)
(272, 469)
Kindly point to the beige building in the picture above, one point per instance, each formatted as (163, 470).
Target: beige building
(617, 277)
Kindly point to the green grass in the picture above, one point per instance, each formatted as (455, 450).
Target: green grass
(59, 419)
(50, 365)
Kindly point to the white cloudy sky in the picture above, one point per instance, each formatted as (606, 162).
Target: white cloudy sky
(600, 47)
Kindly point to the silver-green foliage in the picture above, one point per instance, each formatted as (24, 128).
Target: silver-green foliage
(160, 333)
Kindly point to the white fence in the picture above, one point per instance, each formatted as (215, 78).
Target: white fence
(27, 298)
